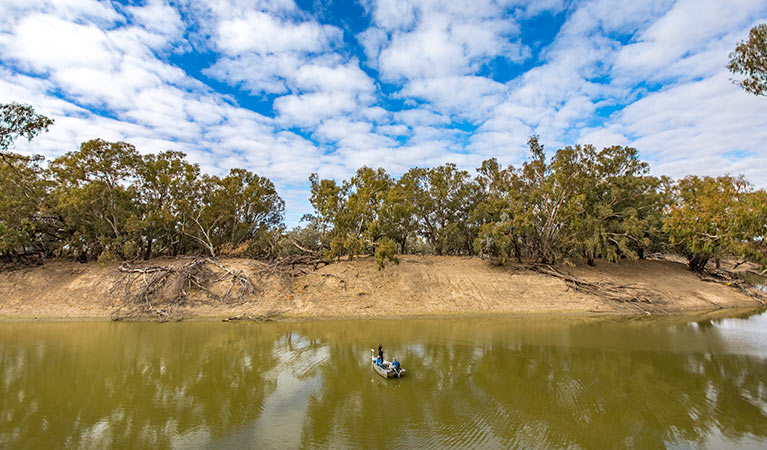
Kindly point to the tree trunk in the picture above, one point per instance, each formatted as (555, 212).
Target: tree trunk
(697, 262)
(148, 249)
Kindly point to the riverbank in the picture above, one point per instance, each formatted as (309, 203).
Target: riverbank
(418, 286)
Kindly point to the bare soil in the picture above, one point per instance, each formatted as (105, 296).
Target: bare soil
(418, 286)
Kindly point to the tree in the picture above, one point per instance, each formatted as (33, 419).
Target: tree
(549, 198)
(751, 227)
(396, 218)
(443, 198)
(581, 203)
(18, 120)
(703, 217)
(750, 59)
(621, 206)
(236, 214)
(250, 206)
(356, 215)
(500, 213)
(95, 199)
(167, 186)
(23, 191)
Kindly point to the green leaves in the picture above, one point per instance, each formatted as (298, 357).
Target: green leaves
(582, 203)
(705, 217)
(18, 120)
(750, 59)
(106, 201)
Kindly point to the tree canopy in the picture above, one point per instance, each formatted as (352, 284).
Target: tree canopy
(750, 60)
(107, 201)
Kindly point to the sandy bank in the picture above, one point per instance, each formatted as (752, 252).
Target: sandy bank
(418, 286)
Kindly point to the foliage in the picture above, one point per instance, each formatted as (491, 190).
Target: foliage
(167, 189)
(18, 120)
(105, 202)
(750, 59)
(702, 220)
(386, 250)
(94, 198)
(22, 192)
(442, 199)
(751, 231)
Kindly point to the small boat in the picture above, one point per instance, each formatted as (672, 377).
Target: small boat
(386, 370)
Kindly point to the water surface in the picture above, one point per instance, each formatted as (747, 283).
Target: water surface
(478, 383)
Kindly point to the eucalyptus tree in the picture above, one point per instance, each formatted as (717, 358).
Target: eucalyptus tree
(397, 219)
(353, 215)
(702, 219)
(500, 213)
(23, 224)
(235, 214)
(167, 189)
(17, 120)
(750, 59)
(549, 198)
(443, 198)
(751, 227)
(23, 189)
(96, 201)
(620, 206)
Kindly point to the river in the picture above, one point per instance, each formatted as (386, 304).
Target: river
(677, 382)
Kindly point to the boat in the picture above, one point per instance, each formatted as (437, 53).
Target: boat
(386, 370)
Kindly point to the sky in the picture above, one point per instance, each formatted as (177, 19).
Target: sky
(286, 88)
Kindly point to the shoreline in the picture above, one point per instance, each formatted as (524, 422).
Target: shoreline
(685, 315)
(707, 313)
(420, 287)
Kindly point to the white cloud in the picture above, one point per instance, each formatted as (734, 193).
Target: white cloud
(462, 96)
(45, 42)
(686, 29)
(104, 70)
(263, 33)
(448, 38)
(310, 109)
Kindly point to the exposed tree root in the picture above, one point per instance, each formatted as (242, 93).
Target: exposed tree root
(159, 291)
(627, 295)
(735, 280)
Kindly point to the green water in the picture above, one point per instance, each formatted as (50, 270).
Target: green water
(472, 383)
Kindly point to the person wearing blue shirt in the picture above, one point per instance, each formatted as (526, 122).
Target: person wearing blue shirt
(395, 365)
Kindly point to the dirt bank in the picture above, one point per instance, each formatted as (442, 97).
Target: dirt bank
(419, 285)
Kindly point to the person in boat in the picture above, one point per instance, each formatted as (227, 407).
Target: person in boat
(395, 365)
(379, 362)
(380, 353)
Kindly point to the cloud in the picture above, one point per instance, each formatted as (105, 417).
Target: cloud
(285, 90)
(263, 33)
(686, 29)
(690, 128)
(438, 38)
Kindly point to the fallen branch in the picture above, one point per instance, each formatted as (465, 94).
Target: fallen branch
(268, 317)
(735, 280)
(159, 290)
(627, 294)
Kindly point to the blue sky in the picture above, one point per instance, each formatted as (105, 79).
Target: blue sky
(286, 88)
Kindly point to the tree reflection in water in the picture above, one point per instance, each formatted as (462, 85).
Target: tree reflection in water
(471, 383)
